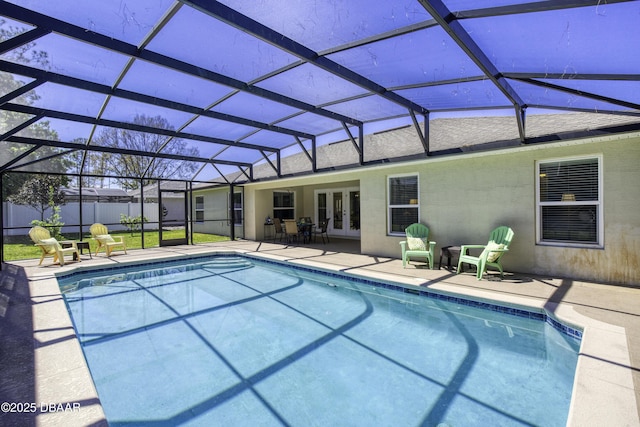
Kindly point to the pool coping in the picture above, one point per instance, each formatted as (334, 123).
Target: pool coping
(570, 330)
(603, 385)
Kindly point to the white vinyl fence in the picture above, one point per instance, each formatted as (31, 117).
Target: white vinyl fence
(105, 213)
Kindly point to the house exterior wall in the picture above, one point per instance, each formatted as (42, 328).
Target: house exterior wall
(462, 198)
(216, 212)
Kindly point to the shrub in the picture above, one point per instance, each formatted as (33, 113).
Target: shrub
(53, 223)
(133, 223)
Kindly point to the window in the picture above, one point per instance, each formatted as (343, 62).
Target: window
(569, 202)
(199, 209)
(237, 208)
(404, 203)
(283, 205)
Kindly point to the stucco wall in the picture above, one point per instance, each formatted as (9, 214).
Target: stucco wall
(619, 261)
(461, 201)
(216, 212)
(463, 198)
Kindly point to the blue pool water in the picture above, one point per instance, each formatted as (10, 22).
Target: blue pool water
(233, 341)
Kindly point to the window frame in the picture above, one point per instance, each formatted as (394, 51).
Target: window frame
(291, 208)
(199, 209)
(599, 203)
(390, 207)
(238, 208)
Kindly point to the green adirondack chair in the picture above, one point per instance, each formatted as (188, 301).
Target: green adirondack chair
(492, 252)
(417, 244)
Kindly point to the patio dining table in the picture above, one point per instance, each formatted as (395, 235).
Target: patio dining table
(305, 229)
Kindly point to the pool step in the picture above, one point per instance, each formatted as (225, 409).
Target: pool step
(227, 262)
(222, 263)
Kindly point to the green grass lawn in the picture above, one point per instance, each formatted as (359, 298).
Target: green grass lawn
(23, 248)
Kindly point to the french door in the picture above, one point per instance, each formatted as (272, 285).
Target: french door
(342, 207)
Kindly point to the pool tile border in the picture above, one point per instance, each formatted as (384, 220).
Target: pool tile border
(518, 311)
(571, 331)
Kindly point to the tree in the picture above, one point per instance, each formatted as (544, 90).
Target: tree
(24, 53)
(92, 164)
(16, 186)
(13, 184)
(40, 192)
(147, 168)
(54, 222)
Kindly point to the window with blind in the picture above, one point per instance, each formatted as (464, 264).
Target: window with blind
(569, 202)
(283, 205)
(237, 208)
(199, 209)
(403, 203)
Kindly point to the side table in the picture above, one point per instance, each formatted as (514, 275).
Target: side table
(269, 231)
(84, 245)
(449, 252)
(79, 244)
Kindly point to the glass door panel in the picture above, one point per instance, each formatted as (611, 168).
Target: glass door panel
(321, 208)
(342, 207)
(337, 211)
(354, 212)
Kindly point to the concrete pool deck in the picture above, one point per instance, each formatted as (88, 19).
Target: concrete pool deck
(43, 373)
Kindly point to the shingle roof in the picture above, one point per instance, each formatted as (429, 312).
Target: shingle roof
(447, 136)
(98, 194)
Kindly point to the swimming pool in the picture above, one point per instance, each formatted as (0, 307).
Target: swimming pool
(233, 340)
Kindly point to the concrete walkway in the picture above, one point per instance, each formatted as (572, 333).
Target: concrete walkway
(41, 362)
